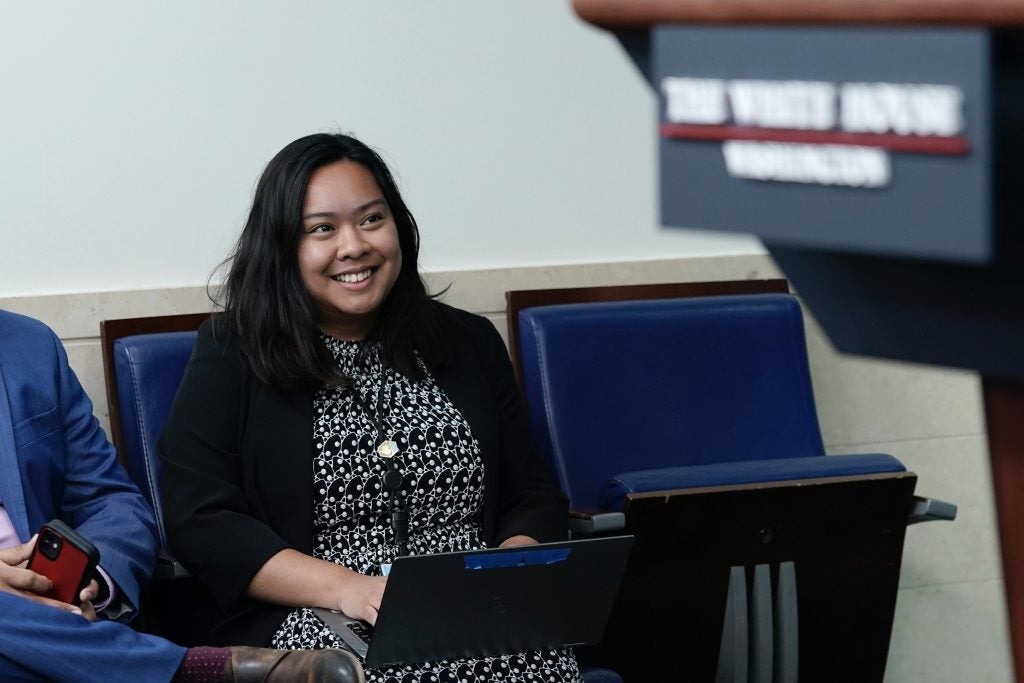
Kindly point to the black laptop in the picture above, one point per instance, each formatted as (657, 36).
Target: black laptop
(490, 602)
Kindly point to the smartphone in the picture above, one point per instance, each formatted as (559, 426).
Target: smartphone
(66, 558)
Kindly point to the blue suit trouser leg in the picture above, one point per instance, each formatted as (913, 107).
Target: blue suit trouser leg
(45, 643)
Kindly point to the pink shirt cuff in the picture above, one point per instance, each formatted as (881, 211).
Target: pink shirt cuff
(111, 590)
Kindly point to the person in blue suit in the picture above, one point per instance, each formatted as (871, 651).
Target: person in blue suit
(56, 463)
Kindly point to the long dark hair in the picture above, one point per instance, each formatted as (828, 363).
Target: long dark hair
(267, 308)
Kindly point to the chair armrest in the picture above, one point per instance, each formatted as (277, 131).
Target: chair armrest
(167, 567)
(613, 496)
(589, 521)
(931, 510)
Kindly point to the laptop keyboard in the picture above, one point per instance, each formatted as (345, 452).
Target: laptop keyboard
(361, 629)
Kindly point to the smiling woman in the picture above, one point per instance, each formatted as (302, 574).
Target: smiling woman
(336, 416)
(326, 212)
(349, 256)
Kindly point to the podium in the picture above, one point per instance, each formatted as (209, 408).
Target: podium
(875, 146)
(842, 540)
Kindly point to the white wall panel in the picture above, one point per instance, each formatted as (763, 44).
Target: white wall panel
(132, 133)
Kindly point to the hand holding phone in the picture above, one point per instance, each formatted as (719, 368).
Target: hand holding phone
(15, 578)
(66, 558)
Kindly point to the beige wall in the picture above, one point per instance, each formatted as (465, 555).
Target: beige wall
(950, 621)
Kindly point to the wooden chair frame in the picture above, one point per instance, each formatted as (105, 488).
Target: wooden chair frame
(111, 331)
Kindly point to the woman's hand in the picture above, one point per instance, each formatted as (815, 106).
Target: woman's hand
(518, 539)
(298, 580)
(361, 597)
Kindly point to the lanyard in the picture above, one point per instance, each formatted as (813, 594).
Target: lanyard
(387, 450)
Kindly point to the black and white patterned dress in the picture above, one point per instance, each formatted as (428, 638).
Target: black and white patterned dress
(443, 476)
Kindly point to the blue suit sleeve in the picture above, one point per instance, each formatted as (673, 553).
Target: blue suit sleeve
(98, 499)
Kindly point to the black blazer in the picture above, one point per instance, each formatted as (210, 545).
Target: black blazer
(237, 459)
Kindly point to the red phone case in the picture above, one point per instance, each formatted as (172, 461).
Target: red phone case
(73, 566)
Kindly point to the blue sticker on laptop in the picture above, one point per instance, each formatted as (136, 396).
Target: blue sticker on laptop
(519, 558)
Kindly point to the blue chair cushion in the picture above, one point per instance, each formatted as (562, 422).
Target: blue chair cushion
(613, 496)
(645, 384)
(149, 368)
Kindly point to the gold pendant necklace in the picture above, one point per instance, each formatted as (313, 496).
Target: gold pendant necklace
(387, 449)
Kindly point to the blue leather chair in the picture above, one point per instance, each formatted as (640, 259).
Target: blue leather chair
(639, 396)
(148, 369)
(143, 371)
(144, 360)
(702, 410)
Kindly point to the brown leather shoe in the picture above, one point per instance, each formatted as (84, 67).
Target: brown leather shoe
(260, 665)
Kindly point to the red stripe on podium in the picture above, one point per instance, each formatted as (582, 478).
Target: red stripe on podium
(954, 145)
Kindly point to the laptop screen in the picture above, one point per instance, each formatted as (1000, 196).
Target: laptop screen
(497, 601)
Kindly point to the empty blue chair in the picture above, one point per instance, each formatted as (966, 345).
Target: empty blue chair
(693, 419)
(675, 393)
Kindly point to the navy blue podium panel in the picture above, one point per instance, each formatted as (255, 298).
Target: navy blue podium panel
(873, 141)
(877, 149)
